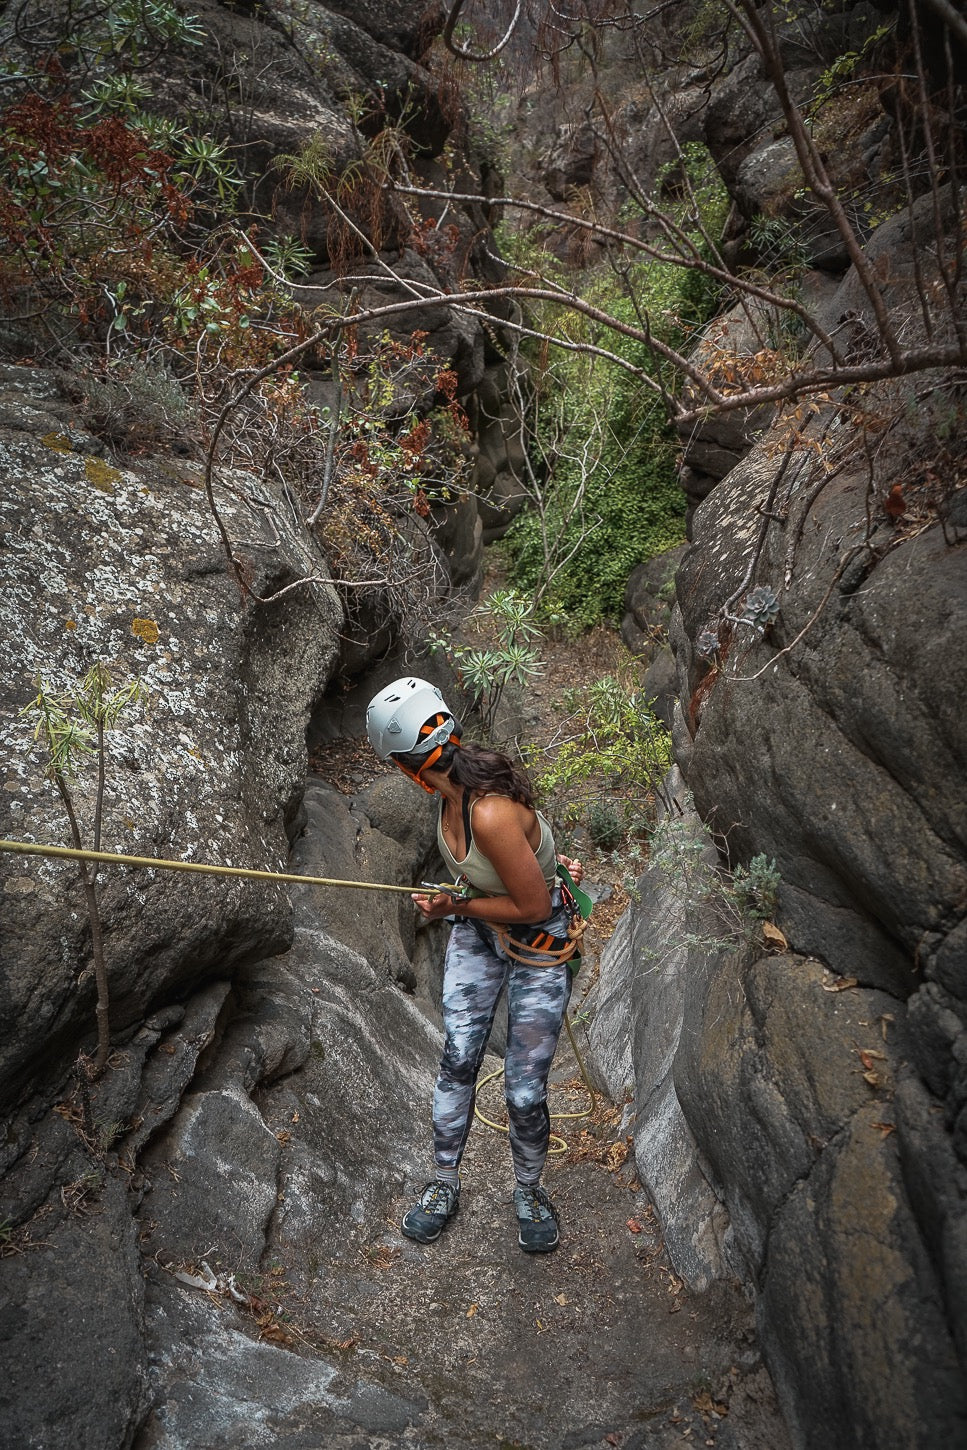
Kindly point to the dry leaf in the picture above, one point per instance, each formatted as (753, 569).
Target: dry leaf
(616, 1156)
(885, 1128)
(872, 1078)
(472, 1310)
(634, 1226)
(839, 984)
(271, 1329)
(895, 504)
(560, 1298)
(868, 1057)
(774, 936)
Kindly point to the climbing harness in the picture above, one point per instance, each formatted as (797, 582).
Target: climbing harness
(113, 858)
(534, 946)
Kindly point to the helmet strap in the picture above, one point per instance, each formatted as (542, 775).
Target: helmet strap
(415, 775)
(428, 764)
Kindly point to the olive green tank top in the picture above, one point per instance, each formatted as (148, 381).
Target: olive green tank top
(475, 865)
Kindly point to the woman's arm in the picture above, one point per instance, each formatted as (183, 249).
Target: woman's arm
(498, 831)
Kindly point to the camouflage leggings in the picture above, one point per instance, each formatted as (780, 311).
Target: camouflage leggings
(474, 976)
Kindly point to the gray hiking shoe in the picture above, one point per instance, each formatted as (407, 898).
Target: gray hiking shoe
(426, 1219)
(536, 1220)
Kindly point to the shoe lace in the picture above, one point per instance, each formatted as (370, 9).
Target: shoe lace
(437, 1198)
(536, 1204)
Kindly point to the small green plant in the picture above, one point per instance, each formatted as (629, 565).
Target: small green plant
(288, 255)
(716, 911)
(843, 69)
(72, 727)
(779, 244)
(755, 889)
(108, 1134)
(509, 655)
(605, 768)
(605, 826)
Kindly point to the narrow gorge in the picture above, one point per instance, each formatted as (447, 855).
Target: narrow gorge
(319, 319)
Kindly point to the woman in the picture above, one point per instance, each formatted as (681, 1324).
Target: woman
(512, 932)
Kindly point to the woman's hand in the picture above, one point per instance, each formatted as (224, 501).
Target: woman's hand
(434, 907)
(574, 867)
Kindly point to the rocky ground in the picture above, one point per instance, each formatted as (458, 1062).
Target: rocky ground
(470, 1343)
(595, 1344)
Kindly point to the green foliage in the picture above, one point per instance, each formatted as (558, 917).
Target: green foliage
(312, 166)
(507, 655)
(68, 723)
(71, 727)
(719, 911)
(133, 402)
(618, 485)
(287, 255)
(779, 244)
(605, 826)
(843, 68)
(755, 890)
(605, 768)
(631, 508)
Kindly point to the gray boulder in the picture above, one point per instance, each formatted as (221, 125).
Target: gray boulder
(857, 733)
(783, 1139)
(72, 1326)
(649, 596)
(127, 569)
(637, 1009)
(819, 638)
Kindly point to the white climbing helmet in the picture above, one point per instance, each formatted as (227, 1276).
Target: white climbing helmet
(410, 716)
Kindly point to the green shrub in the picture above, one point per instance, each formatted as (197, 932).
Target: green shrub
(606, 767)
(603, 449)
(755, 890)
(605, 826)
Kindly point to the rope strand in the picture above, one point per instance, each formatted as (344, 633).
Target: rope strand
(113, 858)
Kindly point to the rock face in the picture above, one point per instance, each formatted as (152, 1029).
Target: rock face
(309, 1118)
(816, 1096)
(800, 1118)
(126, 569)
(123, 566)
(115, 559)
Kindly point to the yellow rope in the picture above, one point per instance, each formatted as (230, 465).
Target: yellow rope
(558, 1143)
(112, 858)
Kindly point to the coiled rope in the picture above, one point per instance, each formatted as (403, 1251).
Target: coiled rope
(558, 1144)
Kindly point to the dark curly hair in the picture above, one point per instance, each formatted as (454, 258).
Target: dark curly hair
(477, 768)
